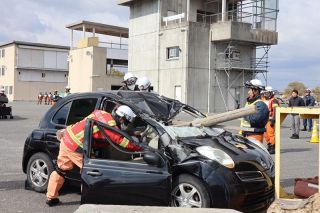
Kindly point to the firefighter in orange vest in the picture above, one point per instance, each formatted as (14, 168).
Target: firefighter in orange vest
(272, 103)
(71, 145)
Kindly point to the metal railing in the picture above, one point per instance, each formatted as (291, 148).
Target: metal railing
(113, 45)
(251, 12)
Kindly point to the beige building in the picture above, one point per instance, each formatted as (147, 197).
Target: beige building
(29, 68)
(99, 59)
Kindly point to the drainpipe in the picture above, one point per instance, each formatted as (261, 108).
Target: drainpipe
(209, 71)
(224, 10)
(158, 45)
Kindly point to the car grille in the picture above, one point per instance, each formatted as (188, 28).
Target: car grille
(248, 176)
(258, 201)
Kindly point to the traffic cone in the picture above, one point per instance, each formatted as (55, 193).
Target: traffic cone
(315, 136)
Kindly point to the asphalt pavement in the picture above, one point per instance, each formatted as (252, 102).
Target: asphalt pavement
(299, 159)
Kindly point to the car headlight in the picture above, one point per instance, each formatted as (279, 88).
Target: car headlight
(259, 144)
(216, 155)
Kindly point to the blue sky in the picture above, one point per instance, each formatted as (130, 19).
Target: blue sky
(295, 58)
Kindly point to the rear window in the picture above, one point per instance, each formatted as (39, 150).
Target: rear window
(61, 115)
(80, 109)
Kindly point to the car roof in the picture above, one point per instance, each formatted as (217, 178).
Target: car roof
(159, 107)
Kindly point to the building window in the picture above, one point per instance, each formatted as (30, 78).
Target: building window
(43, 75)
(173, 52)
(3, 71)
(10, 90)
(3, 53)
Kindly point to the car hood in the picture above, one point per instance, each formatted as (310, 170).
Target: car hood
(245, 154)
(156, 106)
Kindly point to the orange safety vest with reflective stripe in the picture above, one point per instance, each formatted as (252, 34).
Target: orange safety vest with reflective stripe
(273, 103)
(74, 134)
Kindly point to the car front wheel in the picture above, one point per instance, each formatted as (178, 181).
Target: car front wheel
(39, 169)
(189, 191)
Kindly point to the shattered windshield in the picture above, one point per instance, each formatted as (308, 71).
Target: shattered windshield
(185, 115)
(185, 132)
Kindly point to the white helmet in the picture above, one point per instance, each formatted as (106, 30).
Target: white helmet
(254, 84)
(126, 112)
(2, 90)
(268, 89)
(68, 87)
(143, 83)
(130, 80)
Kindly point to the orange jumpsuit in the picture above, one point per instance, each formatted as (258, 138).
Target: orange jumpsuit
(269, 135)
(71, 147)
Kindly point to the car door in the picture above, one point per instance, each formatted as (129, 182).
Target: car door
(68, 113)
(119, 179)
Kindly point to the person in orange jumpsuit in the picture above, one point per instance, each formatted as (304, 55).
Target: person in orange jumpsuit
(272, 103)
(71, 145)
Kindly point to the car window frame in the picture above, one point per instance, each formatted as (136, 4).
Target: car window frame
(95, 107)
(88, 145)
(71, 100)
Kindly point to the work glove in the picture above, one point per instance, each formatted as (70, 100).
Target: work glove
(60, 134)
(272, 122)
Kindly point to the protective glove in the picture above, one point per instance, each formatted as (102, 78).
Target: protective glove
(272, 122)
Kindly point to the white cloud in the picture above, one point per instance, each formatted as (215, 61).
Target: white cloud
(45, 20)
(297, 56)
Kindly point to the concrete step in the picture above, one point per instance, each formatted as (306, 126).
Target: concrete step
(144, 209)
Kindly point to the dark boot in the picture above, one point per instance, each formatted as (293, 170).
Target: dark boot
(53, 202)
(304, 129)
(271, 149)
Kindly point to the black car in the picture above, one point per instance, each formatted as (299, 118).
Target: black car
(179, 166)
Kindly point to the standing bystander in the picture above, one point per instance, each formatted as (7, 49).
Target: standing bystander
(295, 101)
(309, 101)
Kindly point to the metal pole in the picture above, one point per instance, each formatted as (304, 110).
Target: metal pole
(94, 32)
(84, 31)
(158, 44)
(224, 8)
(71, 41)
(209, 72)
(188, 8)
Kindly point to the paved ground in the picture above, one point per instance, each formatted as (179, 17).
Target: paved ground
(299, 159)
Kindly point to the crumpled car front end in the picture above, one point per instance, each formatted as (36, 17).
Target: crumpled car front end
(238, 173)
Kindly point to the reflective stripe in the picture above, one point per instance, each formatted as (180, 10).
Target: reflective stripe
(112, 123)
(124, 143)
(244, 123)
(74, 138)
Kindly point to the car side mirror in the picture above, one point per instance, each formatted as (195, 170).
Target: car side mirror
(153, 158)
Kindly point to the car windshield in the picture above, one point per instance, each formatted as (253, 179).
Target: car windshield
(185, 115)
(186, 132)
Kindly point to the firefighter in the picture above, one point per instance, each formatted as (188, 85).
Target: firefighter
(71, 145)
(272, 103)
(144, 84)
(67, 91)
(129, 81)
(258, 120)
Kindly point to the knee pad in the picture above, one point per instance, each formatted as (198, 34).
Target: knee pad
(60, 172)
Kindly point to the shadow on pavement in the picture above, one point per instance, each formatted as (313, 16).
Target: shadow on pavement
(11, 185)
(287, 182)
(296, 150)
(71, 203)
(15, 118)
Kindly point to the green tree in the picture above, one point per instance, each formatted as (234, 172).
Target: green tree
(316, 92)
(295, 85)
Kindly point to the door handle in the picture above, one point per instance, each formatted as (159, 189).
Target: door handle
(52, 136)
(154, 172)
(94, 173)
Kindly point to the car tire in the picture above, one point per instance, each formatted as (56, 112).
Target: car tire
(39, 169)
(195, 194)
